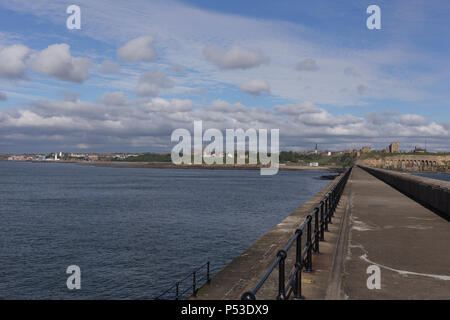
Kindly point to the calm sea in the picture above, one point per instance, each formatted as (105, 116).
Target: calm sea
(132, 231)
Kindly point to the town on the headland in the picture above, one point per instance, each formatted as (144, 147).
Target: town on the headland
(392, 157)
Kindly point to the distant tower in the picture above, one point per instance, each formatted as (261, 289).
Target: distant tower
(56, 156)
(315, 150)
(394, 147)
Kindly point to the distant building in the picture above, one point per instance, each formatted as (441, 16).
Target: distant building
(394, 147)
(39, 158)
(78, 155)
(366, 149)
(93, 157)
(418, 149)
(315, 150)
(313, 164)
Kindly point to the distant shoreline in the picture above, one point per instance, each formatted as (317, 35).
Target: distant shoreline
(169, 165)
(166, 165)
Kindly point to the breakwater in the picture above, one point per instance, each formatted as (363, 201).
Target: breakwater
(245, 272)
(430, 192)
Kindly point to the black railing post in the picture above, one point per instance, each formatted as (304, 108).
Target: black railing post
(330, 194)
(308, 245)
(322, 227)
(177, 290)
(316, 230)
(298, 267)
(281, 294)
(208, 280)
(327, 211)
(330, 209)
(337, 196)
(333, 201)
(194, 285)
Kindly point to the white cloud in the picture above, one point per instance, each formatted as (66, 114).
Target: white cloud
(139, 49)
(57, 61)
(234, 58)
(3, 96)
(12, 61)
(256, 86)
(307, 65)
(151, 82)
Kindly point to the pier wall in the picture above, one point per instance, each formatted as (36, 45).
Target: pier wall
(245, 271)
(430, 192)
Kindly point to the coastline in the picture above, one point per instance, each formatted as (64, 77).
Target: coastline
(166, 165)
(169, 165)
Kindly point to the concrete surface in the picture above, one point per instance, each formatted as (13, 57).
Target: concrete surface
(430, 192)
(410, 244)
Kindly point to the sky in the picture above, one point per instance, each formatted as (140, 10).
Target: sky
(139, 69)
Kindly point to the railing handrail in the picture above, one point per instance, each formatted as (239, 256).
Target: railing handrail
(195, 283)
(326, 208)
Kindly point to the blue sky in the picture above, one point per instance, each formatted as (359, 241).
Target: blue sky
(311, 69)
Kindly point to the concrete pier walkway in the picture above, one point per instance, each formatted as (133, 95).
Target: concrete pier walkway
(374, 226)
(408, 242)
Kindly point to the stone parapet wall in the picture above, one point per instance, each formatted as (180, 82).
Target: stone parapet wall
(431, 192)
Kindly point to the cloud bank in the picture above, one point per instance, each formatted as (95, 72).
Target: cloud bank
(145, 124)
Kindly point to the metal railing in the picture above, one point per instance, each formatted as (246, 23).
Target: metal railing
(179, 290)
(320, 217)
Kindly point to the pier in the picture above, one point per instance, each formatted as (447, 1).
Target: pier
(404, 232)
